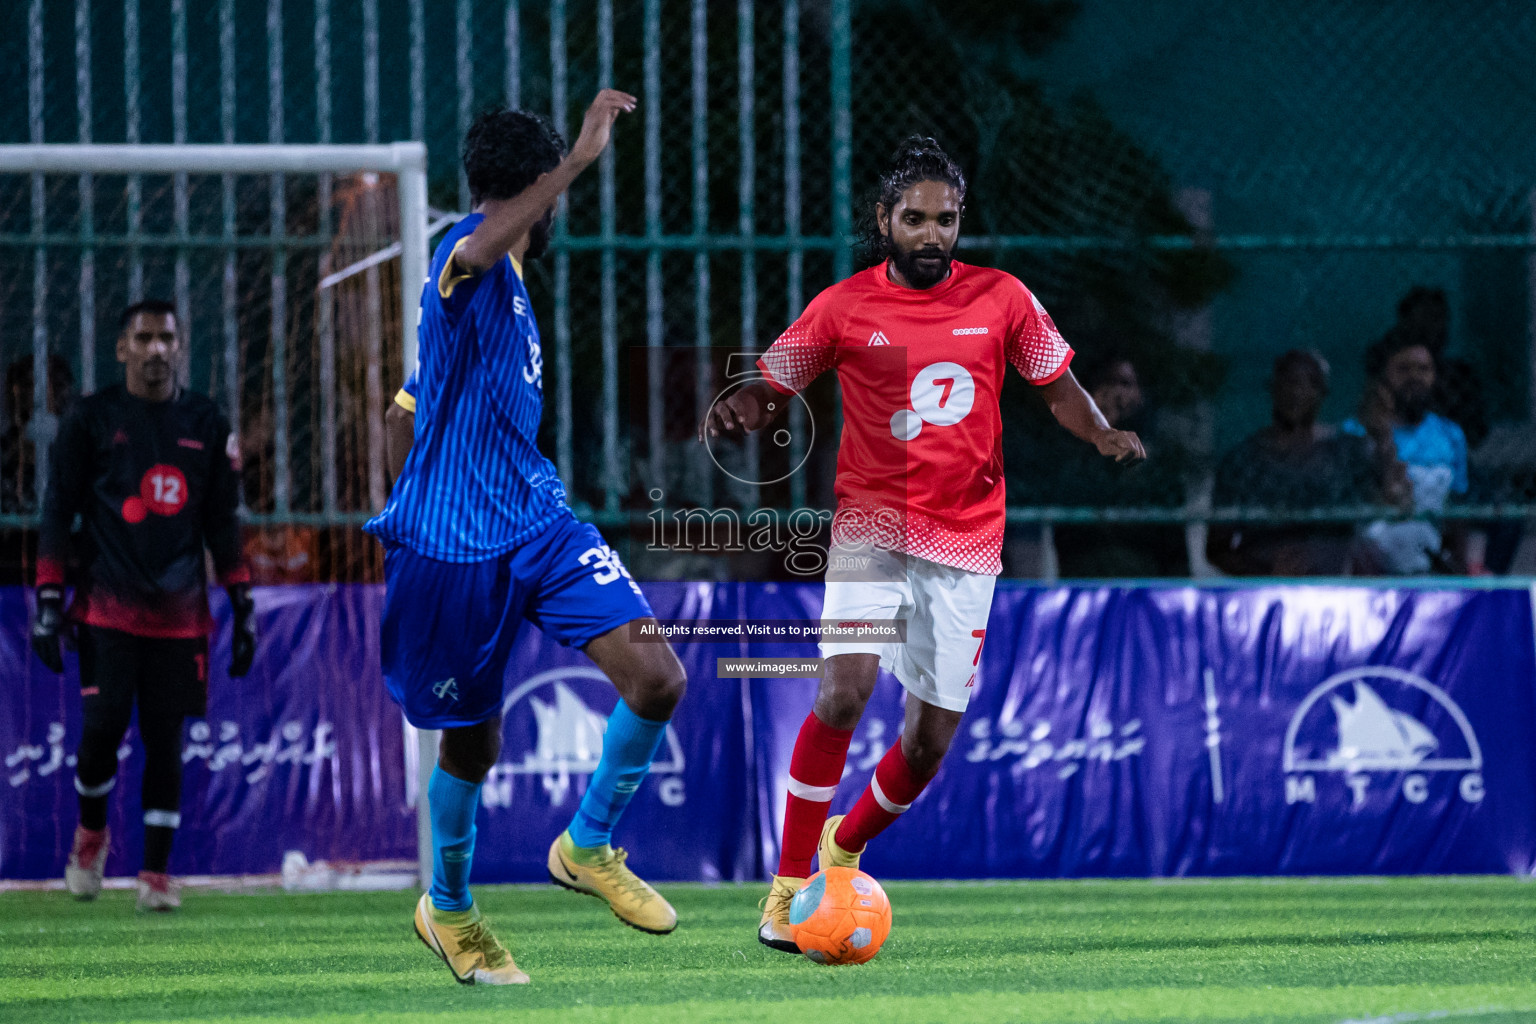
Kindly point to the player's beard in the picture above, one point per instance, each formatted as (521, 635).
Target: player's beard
(155, 372)
(919, 273)
(1412, 403)
(538, 235)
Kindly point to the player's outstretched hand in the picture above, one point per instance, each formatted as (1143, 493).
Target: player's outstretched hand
(746, 409)
(597, 125)
(1121, 445)
(242, 647)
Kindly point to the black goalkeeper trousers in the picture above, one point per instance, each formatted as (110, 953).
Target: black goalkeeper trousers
(166, 679)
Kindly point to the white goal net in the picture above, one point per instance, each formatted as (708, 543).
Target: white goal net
(295, 270)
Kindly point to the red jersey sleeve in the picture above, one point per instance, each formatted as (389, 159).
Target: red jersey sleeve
(1036, 348)
(805, 351)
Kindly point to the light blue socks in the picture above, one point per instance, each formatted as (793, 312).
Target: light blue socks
(452, 803)
(629, 745)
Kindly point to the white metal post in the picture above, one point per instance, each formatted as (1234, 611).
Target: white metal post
(87, 201)
(215, 158)
(613, 471)
(132, 116)
(43, 426)
(414, 260)
(655, 324)
(794, 267)
(229, 282)
(564, 458)
(1193, 330)
(703, 388)
(412, 178)
(325, 312)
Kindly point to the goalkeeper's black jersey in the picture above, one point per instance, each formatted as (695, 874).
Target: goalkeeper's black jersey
(152, 484)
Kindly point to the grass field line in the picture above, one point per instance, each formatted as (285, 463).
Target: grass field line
(401, 874)
(1054, 953)
(1301, 1005)
(1411, 1016)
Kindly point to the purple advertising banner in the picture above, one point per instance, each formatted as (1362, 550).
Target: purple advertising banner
(304, 753)
(1151, 731)
(694, 819)
(1159, 731)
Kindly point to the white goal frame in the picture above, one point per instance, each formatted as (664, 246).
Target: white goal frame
(407, 161)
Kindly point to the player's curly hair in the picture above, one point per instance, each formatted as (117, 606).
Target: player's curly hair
(505, 151)
(917, 158)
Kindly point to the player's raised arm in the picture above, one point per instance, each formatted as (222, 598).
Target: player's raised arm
(1075, 409)
(508, 221)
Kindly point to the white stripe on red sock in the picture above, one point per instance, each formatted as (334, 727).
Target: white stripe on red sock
(815, 794)
(886, 803)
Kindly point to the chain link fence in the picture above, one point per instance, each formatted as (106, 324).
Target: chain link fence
(285, 320)
(1192, 190)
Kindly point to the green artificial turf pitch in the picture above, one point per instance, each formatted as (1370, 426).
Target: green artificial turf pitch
(1387, 951)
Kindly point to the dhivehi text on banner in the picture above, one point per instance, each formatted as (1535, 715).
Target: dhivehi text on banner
(1114, 731)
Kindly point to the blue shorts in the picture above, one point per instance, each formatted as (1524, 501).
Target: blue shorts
(449, 626)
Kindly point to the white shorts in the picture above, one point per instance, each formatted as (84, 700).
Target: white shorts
(945, 610)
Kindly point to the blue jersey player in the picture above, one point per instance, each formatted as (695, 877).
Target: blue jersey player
(478, 537)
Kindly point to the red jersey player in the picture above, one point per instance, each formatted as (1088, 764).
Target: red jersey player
(920, 343)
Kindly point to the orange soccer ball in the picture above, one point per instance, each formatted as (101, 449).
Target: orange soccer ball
(841, 916)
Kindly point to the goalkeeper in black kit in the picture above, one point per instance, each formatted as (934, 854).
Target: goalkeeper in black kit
(142, 478)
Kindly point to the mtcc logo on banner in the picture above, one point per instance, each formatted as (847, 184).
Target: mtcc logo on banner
(1371, 722)
(555, 708)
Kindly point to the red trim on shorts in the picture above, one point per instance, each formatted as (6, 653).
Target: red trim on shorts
(50, 572)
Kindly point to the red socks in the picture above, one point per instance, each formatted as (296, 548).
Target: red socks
(815, 769)
(891, 791)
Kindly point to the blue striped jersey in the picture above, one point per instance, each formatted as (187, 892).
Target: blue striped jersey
(475, 484)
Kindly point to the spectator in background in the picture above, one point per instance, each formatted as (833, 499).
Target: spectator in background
(1424, 316)
(1115, 387)
(18, 458)
(1059, 470)
(1395, 416)
(1295, 463)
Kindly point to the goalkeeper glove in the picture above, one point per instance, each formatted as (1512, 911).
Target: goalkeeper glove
(48, 625)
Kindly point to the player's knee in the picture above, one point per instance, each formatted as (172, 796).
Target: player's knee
(96, 757)
(161, 737)
(840, 707)
(923, 753)
(469, 754)
(658, 689)
(471, 767)
(95, 771)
